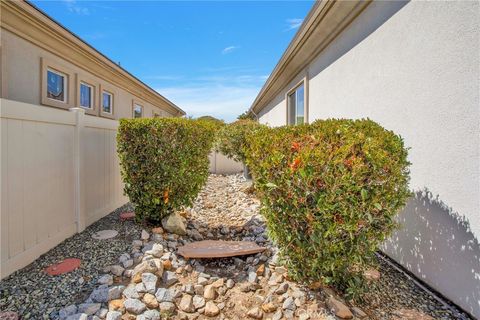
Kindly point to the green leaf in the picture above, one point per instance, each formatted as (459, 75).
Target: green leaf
(364, 194)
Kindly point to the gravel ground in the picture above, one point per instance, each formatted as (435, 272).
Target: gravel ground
(34, 294)
(395, 291)
(225, 209)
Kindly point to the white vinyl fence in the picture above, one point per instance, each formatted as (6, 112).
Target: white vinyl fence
(220, 164)
(59, 173)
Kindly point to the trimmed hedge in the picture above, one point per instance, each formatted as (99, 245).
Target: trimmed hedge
(330, 191)
(232, 138)
(164, 163)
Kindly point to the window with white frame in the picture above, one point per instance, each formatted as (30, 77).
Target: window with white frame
(137, 111)
(107, 102)
(56, 85)
(296, 105)
(86, 96)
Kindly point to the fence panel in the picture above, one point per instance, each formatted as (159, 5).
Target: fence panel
(59, 173)
(37, 162)
(221, 164)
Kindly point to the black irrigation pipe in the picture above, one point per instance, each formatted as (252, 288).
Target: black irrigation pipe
(437, 296)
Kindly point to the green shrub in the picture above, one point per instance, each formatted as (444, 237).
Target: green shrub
(329, 194)
(246, 116)
(164, 163)
(231, 139)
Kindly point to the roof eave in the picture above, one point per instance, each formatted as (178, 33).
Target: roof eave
(325, 21)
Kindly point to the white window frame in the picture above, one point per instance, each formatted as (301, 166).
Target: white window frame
(136, 104)
(65, 85)
(111, 102)
(92, 95)
(303, 82)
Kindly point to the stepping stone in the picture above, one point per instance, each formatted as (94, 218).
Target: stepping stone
(104, 234)
(8, 315)
(219, 249)
(65, 266)
(124, 216)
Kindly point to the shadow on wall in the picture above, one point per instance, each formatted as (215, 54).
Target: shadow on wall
(436, 244)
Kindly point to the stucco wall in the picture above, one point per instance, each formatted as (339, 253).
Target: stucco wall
(414, 68)
(21, 74)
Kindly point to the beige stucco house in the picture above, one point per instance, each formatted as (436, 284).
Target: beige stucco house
(414, 67)
(43, 63)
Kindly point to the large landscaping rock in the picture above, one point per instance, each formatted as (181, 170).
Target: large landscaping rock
(339, 309)
(174, 224)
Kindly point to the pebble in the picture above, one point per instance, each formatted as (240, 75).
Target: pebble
(202, 281)
(282, 288)
(144, 235)
(105, 279)
(339, 309)
(198, 302)
(210, 293)
(211, 309)
(169, 278)
(252, 277)
(67, 311)
(186, 304)
(165, 295)
(89, 308)
(255, 313)
(230, 283)
(117, 270)
(167, 306)
(113, 315)
(150, 301)
(134, 306)
(150, 282)
(289, 304)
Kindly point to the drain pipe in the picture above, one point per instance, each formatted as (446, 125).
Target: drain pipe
(254, 114)
(424, 288)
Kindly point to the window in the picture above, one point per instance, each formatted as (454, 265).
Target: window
(137, 111)
(296, 105)
(86, 96)
(107, 102)
(56, 86)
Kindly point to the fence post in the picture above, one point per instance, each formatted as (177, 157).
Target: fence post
(80, 213)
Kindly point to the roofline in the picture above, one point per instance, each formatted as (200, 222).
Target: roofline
(325, 21)
(112, 64)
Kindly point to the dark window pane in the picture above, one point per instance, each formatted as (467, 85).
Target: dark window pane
(85, 96)
(291, 108)
(55, 86)
(106, 102)
(137, 111)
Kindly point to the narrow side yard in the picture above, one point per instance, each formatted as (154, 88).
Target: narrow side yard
(254, 287)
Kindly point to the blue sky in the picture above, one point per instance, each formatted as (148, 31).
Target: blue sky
(210, 58)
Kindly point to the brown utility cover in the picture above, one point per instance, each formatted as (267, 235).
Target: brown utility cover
(218, 249)
(127, 216)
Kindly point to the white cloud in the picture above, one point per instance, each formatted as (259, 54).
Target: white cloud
(293, 23)
(75, 8)
(229, 49)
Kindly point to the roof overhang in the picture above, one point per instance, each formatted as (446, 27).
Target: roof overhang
(30, 23)
(325, 21)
